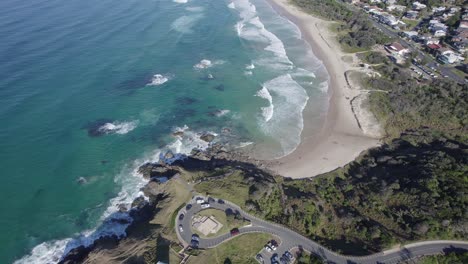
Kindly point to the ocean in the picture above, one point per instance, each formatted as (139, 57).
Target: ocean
(90, 90)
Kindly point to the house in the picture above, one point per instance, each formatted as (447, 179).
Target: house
(438, 9)
(388, 19)
(448, 56)
(397, 48)
(439, 33)
(399, 8)
(418, 6)
(412, 14)
(433, 48)
(430, 41)
(463, 24)
(410, 34)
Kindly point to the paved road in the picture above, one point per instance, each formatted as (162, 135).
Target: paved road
(290, 239)
(444, 71)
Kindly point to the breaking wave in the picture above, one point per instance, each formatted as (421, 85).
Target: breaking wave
(159, 79)
(205, 64)
(118, 127)
(114, 220)
(286, 122)
(267, 112)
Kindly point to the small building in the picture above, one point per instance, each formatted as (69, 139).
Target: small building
(430, 41)
(410, 34)
(397, 48)
(418, 6)
(439, 33)
(399, 8)
(412, 14)
(448, 56)
(439, 9)
(463, 24)
(388, 19)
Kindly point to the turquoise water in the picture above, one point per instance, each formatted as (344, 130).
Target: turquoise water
(229, 68)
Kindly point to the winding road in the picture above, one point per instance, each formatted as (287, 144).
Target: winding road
(290, 239)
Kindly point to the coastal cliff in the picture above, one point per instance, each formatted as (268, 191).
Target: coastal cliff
(369, 205)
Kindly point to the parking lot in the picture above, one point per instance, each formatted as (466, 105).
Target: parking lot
(275, 252)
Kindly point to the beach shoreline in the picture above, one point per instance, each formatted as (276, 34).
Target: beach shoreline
(341, 138)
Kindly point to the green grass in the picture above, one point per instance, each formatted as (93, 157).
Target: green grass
(241, 249)
(410, 23)
(232, 188)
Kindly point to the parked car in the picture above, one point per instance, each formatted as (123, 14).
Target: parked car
(181, 217)
(188, 207)
(211, 200)
(195, 237)
(220, 201)
(205, 205)
(289, 255)
(181, 228)
(259, 257)
(235, 231)
(274, 258)
(199, 200)
(268, 248)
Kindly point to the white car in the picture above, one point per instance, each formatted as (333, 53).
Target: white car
(205, 205)
(181, 228)
(268, 248)
(200, 200)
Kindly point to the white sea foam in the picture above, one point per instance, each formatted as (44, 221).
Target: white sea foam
(205, 64)
(244, 144)
(184, 24)
(114, 222)
(222, 112)
(159, 79)
(286, 123)
(195, 8)
(232, 5)
(118, 127)
(323, 87)
(180, 1)
(248, 72)
(267, 111)
(251, 66)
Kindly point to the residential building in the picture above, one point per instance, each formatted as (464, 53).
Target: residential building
(418, 6)
(397, 48)
(399, 8)
(412, 14)
(463, 24)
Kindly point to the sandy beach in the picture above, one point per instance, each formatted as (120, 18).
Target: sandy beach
(345, 133)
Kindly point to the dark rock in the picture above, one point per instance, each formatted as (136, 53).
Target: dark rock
(186, 100)
(169, 155)
(94, 127)
(139, 202)
(82, 180)
(122, 208)
(200, 155)
(178, 133)
(207, 137)
(219, 87)
(76, 255)
(151, 190)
